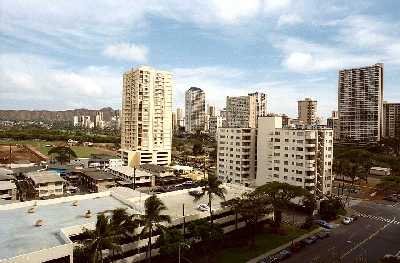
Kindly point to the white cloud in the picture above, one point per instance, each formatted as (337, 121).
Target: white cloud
(38, 83)
(276, 5)
(305, 57)
(125, 51)
(289, 20)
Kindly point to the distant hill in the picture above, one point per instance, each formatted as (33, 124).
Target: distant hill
(44, 115)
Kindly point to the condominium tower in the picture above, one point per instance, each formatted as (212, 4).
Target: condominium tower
(236, 161)
(307, 109)
(298, 156)
(261, 103)
(391, 120)
(360, 93)
(241, 112)
(146, 116)
(195, 106)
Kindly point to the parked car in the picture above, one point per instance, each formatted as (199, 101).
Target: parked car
(324, 224)
(390, 198)
(203, 207)
(391, 258)
(323, 234)
(309, 240)
(187, 183)
(347, 220)
(283, 254)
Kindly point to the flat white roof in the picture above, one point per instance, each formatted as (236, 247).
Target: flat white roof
(128, 171)
(18, 235)
(6, 185)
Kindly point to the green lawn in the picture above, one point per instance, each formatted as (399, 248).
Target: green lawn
(80, 151)
(264, 243)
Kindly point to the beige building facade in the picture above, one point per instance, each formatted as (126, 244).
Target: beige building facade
(307, 111)
(236, 155)
(146, 116)
(297, 156)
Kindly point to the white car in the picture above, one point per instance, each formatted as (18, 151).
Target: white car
(347, 220)
(203, 207)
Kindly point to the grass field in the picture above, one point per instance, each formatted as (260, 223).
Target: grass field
(264, 243)
(81, 151)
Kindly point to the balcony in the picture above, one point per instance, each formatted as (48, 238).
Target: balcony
(309, 145)
(310, 168)
(309, 184)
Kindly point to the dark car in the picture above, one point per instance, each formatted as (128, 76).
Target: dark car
(323, 234)
(283, 254)
(297, 246)
(355, 217)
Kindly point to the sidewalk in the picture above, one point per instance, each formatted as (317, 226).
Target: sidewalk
(276, 250)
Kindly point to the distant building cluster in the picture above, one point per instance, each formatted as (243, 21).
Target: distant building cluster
(98, 122)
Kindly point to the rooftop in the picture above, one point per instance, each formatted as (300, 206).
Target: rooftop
(20, 236)
(6, 185)
(42, 177)
(97, 174)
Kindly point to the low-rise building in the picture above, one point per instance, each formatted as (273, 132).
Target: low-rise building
(97, 180)
(46, 183)
(129, 174)
(67, 217)
(156, 170)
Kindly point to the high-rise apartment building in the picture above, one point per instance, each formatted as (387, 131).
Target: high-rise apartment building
(236, 155)
(211, 110)
(391, 120)
(195, 106)
(215, 122)
(333, 123)
(261, 103)
(174, 122)
(297, 156)
(146, 124)
(180, 117)
(241, 112)
(360, 100)
(307, 111)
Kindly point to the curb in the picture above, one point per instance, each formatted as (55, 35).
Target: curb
(275, 250)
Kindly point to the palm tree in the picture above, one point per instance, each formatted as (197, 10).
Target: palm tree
(63, 153)
(153, 218)
(103, 237)
(212, 187)
(280, 196)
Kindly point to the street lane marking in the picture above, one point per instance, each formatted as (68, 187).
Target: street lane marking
(365, 240)
(380, 218)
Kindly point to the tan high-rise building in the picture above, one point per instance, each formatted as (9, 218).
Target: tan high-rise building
(195, 110)
(391, 120)
(307, 111)
(146, 116)
(360, 100)
(241, 112)
(261, 103)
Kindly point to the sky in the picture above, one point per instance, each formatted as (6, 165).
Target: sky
(66, 54)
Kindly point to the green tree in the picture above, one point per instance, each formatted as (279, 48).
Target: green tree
(102, 237)
(170, 242)
(212, 187)
(63, 153)
(389, 184)
(280, 196)
(331, 207)
(253, 206)
(208, 234)
(153, 218)
(197, 148)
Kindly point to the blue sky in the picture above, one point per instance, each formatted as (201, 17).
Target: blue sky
(70, 53)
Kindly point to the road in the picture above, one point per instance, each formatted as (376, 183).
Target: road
(374, 234)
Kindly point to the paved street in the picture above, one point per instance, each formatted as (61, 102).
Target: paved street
(374, 234)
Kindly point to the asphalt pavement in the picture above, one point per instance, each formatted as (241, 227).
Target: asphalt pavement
(374, 234)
